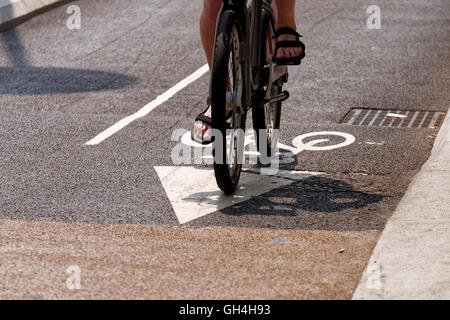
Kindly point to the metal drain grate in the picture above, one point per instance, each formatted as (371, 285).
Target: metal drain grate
(394, 118)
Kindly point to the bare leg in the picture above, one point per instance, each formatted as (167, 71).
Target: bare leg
(285, 11)
(208, 19)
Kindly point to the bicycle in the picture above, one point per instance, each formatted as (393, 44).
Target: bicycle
(242, 60)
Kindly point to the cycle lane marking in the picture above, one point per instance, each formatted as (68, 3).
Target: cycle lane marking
(193, 191)
(149, 107)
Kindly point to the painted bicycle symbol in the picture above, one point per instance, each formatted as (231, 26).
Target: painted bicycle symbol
(284, 154)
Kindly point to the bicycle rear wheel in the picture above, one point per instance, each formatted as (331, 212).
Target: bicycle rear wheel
(266, 116)
(228, 119)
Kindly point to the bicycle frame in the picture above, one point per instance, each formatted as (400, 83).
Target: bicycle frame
(254, 73)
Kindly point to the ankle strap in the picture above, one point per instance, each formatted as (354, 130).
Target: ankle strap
(286, 30)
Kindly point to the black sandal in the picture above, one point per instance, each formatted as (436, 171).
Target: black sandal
(206, 120)
(289, 44)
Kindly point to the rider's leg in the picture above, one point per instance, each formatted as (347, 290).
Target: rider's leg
(285, 11)
(208, 19)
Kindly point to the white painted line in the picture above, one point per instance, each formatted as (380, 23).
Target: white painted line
(149, 107)
(396, 115)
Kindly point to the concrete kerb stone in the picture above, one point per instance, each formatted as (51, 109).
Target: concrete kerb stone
(14, 12)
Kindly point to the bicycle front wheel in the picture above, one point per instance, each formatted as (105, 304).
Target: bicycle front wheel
(228, 113)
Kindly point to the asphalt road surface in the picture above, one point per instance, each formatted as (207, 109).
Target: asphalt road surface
(111, 208)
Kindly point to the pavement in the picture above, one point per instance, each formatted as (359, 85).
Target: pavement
(412, 257)
(334, 223)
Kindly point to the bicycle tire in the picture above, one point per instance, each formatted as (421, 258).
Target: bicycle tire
(266, 141)
(228, 29)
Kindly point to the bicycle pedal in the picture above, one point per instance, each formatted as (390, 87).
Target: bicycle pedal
(279, 97)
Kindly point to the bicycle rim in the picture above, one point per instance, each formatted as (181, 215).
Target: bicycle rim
(228, 117)
(266, 117)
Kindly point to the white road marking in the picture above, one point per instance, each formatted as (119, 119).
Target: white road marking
(298, 141)
(396, 115)
(149, 107)
(375, 143)
(193, 191)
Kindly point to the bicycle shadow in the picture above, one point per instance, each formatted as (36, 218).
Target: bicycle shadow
(24, 79)
(313, 203)
(312, 194)
(309, 202)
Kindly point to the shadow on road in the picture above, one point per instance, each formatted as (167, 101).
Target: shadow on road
(314, 203)
(313, 194)
(311, 203)
(23, 79)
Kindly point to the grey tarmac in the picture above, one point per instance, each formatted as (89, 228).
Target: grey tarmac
(104, 207)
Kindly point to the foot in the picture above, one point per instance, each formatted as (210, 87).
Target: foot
(202, 131)
(288, 52)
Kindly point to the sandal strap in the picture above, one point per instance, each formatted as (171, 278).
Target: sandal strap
(289, 43)
(287, 30)
(205, 119)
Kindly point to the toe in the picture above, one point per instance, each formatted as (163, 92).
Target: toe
(202, 131)
(207, 134)
(282, 53)
(288, 52)
(198, 129)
